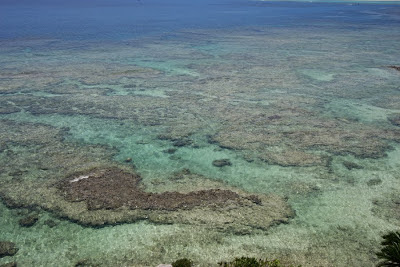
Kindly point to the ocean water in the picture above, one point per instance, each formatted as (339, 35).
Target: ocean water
(136, 133)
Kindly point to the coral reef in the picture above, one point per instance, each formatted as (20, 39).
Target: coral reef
(290, 130)
(112, 195)
(7, 249)
(85, 263)
(112, 188)
(279, 145)
(374, 182)
(273, 104)
(221, 162)
(351, 165)
(50, 223)
(394, 67)
(116, 196)
(182, 263)
(99, 192)
(29, 220)
(395, 119)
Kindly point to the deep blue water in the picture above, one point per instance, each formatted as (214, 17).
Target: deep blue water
(126, 19)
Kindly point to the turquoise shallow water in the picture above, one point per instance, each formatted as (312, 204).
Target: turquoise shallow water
(302, 99)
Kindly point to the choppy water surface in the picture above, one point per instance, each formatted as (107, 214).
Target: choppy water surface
(138, 133)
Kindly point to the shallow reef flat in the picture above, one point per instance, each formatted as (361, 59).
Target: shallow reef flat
(249, 141)
(96, 193)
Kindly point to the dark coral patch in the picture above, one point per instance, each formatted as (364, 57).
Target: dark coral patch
(394, 119)
(29, 220)
(7, 249)
(113, 188)
(394, 67)
(351, 165)
(221, 162)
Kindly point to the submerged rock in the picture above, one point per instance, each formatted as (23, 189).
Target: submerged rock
(274, 117)
(170, 150)
(351, 165)
(182, 263)
(182, 142)
(255, 199)
(29, 220)
(394, 67)
(221, 162)
(3, 147)
(394, 119)
(177, 141)
(373, 182)
(7, 249)
(288, 158)
(50, 223)
(85, 263)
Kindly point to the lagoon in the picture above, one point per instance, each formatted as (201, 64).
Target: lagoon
(136, 133)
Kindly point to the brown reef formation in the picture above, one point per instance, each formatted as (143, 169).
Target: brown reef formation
(113, 188)
(394, 67)
(301, 138)
(7, 249)
(241, 107)
(111, 195)
(97, 192)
